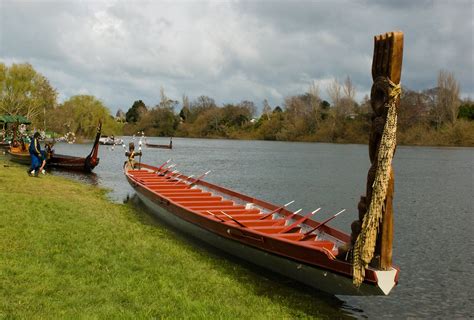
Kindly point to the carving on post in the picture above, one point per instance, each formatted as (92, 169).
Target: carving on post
(372, 233)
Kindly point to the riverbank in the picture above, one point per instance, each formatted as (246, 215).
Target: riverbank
(67, 251)
(460, 134)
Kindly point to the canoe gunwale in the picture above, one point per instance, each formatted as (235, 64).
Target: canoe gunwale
(319, 257)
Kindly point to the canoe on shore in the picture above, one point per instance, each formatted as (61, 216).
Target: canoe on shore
(260, 232)
(20, 154)
(291, 243)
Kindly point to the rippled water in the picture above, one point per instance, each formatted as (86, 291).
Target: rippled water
(433, 206)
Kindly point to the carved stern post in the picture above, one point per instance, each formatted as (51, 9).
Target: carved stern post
(372, 233)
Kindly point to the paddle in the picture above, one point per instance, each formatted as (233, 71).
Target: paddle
(308, 233)
(164, 164)
(215, 216)
(170, 175)
(274, 211)
(186, 179)
(230, 217)
(198, 179)
(293, 214)
(302, 220)
(167, 169)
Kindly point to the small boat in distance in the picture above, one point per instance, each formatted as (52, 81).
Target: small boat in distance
(160, 146)
(19, 153)
(110, 140)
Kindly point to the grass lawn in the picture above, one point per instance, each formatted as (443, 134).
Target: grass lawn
(68, 252)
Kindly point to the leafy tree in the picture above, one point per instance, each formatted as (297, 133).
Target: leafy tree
(466, 110)
(163, 120)
(135, 112)
(81, 114)
(23, 91)
(237, 116)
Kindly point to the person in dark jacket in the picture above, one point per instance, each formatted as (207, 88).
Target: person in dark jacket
(37, 159)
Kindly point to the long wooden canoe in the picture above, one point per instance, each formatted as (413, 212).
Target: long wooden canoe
(66, 162)
(160, 146)
(260, 232)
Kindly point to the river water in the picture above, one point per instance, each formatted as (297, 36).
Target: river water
(433, 207)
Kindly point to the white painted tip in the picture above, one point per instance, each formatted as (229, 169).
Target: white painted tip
(286, 205)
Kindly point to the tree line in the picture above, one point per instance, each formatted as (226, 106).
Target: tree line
(436, 116)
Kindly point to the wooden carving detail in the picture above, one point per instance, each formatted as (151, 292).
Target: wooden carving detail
(386, 74)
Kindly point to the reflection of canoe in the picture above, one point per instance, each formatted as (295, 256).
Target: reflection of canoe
(160, 146)
(66, 162)
(260, 232)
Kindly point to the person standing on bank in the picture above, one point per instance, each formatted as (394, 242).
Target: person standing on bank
(37, 159)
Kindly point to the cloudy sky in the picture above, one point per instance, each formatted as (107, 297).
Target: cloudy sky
(121, 51)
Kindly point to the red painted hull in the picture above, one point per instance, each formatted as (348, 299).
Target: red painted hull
(269, 235)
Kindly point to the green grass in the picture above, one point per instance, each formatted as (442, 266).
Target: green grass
(68, 252)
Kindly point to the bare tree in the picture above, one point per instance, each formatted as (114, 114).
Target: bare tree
(166, 102)
(349, 89)
(448, 101)
(334, 92)
(267, 110)
(342, 96)
(185, 101)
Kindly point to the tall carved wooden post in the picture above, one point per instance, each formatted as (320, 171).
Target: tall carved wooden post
(372, 234)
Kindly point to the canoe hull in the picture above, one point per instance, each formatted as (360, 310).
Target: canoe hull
(21, 158)
(71, 163)
(324, 280)
(158, 146)
(57, 161)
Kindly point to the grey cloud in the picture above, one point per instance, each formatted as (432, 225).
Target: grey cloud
(121, 51)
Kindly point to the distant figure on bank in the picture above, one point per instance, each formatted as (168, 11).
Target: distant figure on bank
(37, 159)
(131, 154)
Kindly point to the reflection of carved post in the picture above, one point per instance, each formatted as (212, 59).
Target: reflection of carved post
(372, 234)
